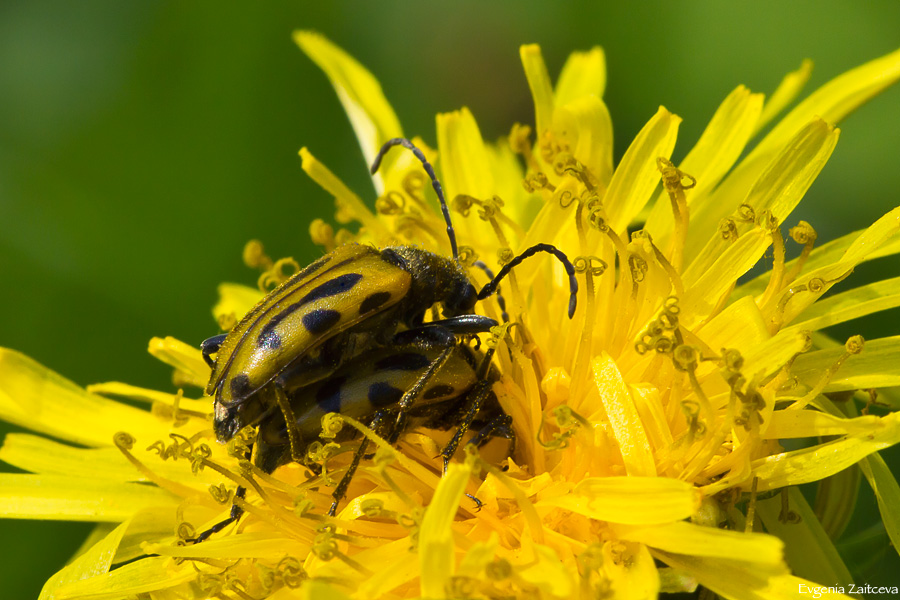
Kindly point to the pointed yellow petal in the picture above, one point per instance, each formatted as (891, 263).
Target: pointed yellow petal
(623, 417)
(143, 576)
(741, 326)
(637, 174)
(630, 500)
(36, 398)
(371, 115)
(465, 168)
(186, 359)
(851, 304)
(539, 82)
(584, 125)
(818, 462)
(808, 550)
(235, 300)
(436, 549)
(874, 367)
(687, 538)
(584, 74)
(721, 144)
(96, 561)
(63, 498)
(887, 492)
(778, 188)
(334, 186)
(789, 88)
(834, 100)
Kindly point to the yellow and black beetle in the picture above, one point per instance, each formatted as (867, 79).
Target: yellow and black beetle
(391, 389)
(354, 298)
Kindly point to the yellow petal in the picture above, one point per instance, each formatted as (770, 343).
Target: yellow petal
(705, 286)
(637, 174)
(47, 457)
(64, 498)
(879, 241)
(584, 125)
(834, 100)
(584, 74)
(465, 168)
(95, 561)
(186, 359)
(623, 417)
(235, 300)
(852, 304)
(371, 115)
(808, 550)
(635, 578)
(36, 398)
(887, 492)
(546, 571)
(539, 83)
(436, 548)
(721, 144)
(818, 462)
(687, 538)
(789, 88)
(874, 367)
(630, 500)
(329, 182)
(788, 424)
(778, 188)
(145, 575)
(314, 589)
(740, 325)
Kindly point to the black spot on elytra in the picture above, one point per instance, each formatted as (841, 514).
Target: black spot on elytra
(320, 320)
(240, 386)
(384, 394)
(405, 361)
(373, 301)
(328, 397)
(335, 286)
(269, 340)
(438, 391)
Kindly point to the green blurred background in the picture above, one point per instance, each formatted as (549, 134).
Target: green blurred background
(142, 144)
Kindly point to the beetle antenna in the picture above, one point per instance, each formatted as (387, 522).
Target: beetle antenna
(570, 270)
(434, 182)
(500, 300)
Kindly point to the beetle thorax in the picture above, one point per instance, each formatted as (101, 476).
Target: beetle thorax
(435, 279)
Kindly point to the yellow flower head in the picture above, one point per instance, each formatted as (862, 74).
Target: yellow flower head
(647, 426)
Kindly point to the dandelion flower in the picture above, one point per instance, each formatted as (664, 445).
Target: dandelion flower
(649, 427)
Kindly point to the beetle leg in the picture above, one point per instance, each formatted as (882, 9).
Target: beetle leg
(477, 395)
(341, 489)
(210, 346)
(236, 512)
(412, 393)
(290, 422)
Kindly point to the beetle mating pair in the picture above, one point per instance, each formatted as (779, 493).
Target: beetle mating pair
(303, 350)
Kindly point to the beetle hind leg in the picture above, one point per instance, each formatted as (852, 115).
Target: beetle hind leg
(236, 512)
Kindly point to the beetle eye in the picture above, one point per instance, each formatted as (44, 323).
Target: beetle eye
(462, 302)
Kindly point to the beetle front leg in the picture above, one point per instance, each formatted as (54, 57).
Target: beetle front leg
(210, 346)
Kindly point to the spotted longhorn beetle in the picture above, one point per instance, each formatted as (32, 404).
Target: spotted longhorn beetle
(354, 298)
(422, 384)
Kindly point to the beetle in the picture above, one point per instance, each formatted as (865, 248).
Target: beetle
(355, 298)
(393, 389)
